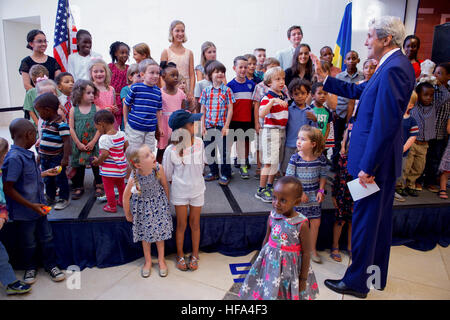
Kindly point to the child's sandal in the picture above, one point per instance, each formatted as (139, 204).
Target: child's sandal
(181, 263)
(109, 209)
(99, 192)
(193, 263)
(443, 194)
(335, 256)
(77, 194)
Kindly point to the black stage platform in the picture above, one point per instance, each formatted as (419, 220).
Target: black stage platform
(233, 223)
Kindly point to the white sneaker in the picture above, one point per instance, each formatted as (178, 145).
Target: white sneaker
(316, 259)
(61, 204)
(399, 197)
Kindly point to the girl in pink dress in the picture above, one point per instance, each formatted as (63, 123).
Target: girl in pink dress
(178, 54)
(106, 99)
(173, 99)
(120, 52)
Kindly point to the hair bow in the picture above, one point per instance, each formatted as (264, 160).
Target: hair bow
(41, 78)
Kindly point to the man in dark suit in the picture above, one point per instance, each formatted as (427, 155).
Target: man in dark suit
(375, 153)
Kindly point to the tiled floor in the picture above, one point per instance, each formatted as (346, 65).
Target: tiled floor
(413, 275)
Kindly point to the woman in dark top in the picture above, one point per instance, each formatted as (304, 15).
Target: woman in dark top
(302, 66)
(411, 46)
(38, 43)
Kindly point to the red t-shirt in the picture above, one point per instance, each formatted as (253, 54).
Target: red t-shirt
(416, 66)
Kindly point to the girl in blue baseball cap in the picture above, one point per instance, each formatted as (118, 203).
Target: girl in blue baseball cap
(183, 163)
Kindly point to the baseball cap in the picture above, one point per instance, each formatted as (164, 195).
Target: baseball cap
(180, 117)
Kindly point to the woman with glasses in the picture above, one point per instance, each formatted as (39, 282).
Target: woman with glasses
(37, 42)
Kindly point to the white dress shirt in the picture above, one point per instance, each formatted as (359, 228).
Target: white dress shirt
(285, 57)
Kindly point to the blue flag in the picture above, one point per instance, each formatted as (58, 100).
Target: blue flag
(344, 39)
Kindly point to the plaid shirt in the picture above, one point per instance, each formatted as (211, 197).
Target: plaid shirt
(261, 90)
(426, 121)
(442, 103)
(216, 101)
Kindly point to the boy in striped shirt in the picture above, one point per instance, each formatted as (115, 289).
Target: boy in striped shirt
(54, 149)
(144, 103)
(112, 161)
(410, 131)
(274, 110)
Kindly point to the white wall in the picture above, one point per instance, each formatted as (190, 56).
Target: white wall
(15, 51)
(411, 15)
(236, 27)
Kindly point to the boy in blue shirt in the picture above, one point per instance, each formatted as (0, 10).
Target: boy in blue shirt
(144, 102)
(410, 131)
(7, 276)
(299, 114)
(25, 202)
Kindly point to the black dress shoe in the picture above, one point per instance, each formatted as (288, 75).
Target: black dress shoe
(340, 287)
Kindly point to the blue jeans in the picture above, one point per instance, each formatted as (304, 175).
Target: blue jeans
(30, 232)
(7, 275)
(51, 183)
(225, 169)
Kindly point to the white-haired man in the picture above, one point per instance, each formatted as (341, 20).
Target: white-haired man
(375, 153)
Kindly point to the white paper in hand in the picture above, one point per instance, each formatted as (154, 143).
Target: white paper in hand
(359, 192)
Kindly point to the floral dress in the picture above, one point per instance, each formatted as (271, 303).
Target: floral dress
(152, 220)
(444, 166)
(275, 273)
(85, 131)
(340, 191)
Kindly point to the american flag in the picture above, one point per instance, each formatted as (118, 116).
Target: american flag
(64, 30)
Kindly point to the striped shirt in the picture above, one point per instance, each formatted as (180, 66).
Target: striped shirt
(442, 103)
(278, 116)
(216, 101)
(309, 173)
(342, 102)
(52, 143)
(410, 129)
(144, 101)
(426, 121)
(242, 109)
(115, 165)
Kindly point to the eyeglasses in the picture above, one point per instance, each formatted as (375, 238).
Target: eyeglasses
(40, 41)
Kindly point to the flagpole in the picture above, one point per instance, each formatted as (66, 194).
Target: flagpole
(69, 39)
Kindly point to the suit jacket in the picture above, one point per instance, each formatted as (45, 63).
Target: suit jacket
(376, 139)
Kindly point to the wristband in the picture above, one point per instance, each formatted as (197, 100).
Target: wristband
(321, 191)
(303, 279)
